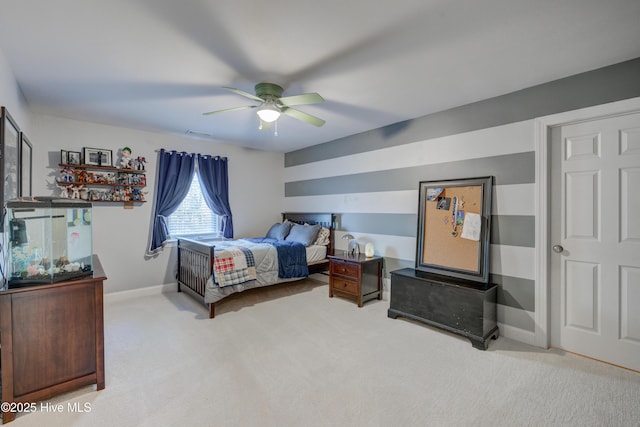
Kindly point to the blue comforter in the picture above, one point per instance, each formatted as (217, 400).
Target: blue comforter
(292, 257)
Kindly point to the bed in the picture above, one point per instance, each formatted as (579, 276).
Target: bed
(210, 270)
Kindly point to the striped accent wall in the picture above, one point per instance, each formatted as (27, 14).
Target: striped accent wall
(371, 180)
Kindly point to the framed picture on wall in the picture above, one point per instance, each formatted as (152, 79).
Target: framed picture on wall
(73, 157)
(97, 157)
(10, 152)
(26, 162)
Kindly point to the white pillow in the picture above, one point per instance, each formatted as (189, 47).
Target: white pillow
(323, 237)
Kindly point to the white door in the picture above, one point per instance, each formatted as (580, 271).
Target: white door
(595, 230)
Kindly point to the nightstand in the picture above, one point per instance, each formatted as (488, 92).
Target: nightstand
(355, 276)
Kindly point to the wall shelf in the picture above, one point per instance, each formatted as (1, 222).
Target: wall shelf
(103, 168)
(99, 184)
(102, 184)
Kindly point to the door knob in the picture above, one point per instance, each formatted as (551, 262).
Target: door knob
(558, 249)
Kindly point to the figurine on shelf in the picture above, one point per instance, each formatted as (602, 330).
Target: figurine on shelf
(137, 195)
(67, 175)
(67, 191)
(126, 162)
(76, 191)
(140, 161)
(82, 176)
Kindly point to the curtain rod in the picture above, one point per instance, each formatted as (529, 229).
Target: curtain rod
(191, 154)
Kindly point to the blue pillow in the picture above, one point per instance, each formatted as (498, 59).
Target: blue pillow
(279, 230)
(305, 234)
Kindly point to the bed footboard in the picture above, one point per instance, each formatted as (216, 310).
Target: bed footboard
(195, 264)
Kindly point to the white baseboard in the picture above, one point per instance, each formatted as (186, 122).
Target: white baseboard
(516, 334)
(142, 292)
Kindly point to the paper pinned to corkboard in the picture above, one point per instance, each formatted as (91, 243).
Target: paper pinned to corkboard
(472, 226)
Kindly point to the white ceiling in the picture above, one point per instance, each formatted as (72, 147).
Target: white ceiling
(159, 64)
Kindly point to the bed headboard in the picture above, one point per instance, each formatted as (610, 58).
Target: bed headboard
(324, 219)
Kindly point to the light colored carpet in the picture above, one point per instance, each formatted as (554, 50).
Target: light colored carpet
(290, 356)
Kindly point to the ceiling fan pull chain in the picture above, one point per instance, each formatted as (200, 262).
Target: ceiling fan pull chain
(276, 129)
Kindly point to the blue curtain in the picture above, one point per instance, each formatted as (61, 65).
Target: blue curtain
(175, 172)
(214, 182)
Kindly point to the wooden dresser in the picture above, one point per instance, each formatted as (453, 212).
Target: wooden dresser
(355, 276)
(52, 340)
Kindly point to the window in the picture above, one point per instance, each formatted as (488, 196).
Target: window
(193, 216)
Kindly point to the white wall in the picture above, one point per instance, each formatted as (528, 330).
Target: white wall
(11, 96)
(120, 236)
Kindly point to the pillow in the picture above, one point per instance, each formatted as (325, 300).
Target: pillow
(305, 234)
(279, 230)
(323, 237)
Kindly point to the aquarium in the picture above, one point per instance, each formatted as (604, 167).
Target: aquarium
(49, 241)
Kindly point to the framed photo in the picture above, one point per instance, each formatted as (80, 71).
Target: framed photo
(73, 157)
(64, 158)
(10, 155)
(26, 163)
(97, 157)
(454, 218)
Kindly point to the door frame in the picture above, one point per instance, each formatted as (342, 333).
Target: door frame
(542, 315)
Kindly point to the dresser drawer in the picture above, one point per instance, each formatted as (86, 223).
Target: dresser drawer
(344, 268)
(345, 286)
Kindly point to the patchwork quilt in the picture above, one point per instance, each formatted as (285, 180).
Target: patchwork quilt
(233, 265)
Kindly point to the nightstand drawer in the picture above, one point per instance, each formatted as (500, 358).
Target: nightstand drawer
(344, 269)
(345, 286)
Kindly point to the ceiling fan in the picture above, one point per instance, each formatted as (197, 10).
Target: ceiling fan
(272, 104)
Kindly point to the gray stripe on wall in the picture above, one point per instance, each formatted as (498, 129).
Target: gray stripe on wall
(515, 292)
(508, 230)
(607, 84)
(387, 224)
(516, 168)
(513, 230)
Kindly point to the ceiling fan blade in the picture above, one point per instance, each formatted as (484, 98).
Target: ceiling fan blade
(308, 118)
(304, 99)
(229, 109)
(243, 93)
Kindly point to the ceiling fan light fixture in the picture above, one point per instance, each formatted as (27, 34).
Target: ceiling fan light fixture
(272, 104)
(268, 112)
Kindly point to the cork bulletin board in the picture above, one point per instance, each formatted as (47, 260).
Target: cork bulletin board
(453, 227)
